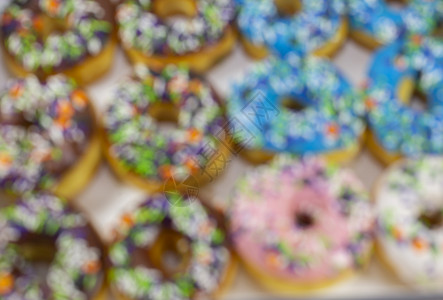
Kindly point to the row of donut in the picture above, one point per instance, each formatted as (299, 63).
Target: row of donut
(50, 138)
(297, 225)
(31, 38)
(42, 227)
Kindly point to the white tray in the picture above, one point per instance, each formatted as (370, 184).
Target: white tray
(106, 198)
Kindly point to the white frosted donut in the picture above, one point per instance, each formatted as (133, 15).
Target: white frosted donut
(409, 205)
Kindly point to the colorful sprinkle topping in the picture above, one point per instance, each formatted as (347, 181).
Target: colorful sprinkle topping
(142, 29)
(140, 229)
(301, 220)
(22, 28)
(410, 220)
(313, 26)
(156, 152)
(412, 131)
(75, 271)
(330, 119)
(386, 24)
(44, 128)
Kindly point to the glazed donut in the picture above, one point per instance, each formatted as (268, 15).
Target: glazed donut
(199, 41)
(40, 228)
(327, 116)
(46, 37)
(48, 136)
(144, 153)
(300, 225)
(396, 70)
(139, 267)
(317, 27)
(375, 22)
(409, 211)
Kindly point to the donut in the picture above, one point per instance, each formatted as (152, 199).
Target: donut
(295, 105)
(143, 152)
(395, 72)
(281, 26)
(409, 210)
(48, 136)
(47, 37)
(199, 264)
(40, 228)
(377, 22)
(299, 225)
(150, 36)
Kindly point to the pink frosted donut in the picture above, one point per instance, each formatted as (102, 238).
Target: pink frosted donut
(301, 224)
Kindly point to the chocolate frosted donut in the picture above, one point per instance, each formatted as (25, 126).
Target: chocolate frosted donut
(53, 36)
(48, 137)
(39, 228)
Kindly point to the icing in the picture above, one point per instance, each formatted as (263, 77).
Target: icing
(44, 128)
(317, 23)
(141, 228)
(76, 269)
(386, 24)
(22, 26)
(156, 153)
(409, 189)
(413, 131)
(142, 29)
(266, 232)
(330, 120)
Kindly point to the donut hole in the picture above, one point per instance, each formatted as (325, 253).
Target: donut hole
(166, 9)
(409, 94)
(287, 8)
(431, 219)
(39, 253)
(418, 101)
(166, 115)
(438, 32)
(292, 104)
(170, 253)
(397, 4)
(304, 220)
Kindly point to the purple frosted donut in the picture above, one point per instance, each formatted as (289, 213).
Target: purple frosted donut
(53, 36)
(145, 153)
(138, 268)
(141, 28)
(152, 33)
(39, 227)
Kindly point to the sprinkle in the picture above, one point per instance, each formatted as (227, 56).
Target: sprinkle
(16, 91)
(6, 283)
(333, 129)
(79, 98)
(370, 103)
(91, 267)
(419, 244)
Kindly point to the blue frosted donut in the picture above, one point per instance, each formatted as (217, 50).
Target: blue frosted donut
(314, 26)
(380, 23)
(330, 118)
(397, 127)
